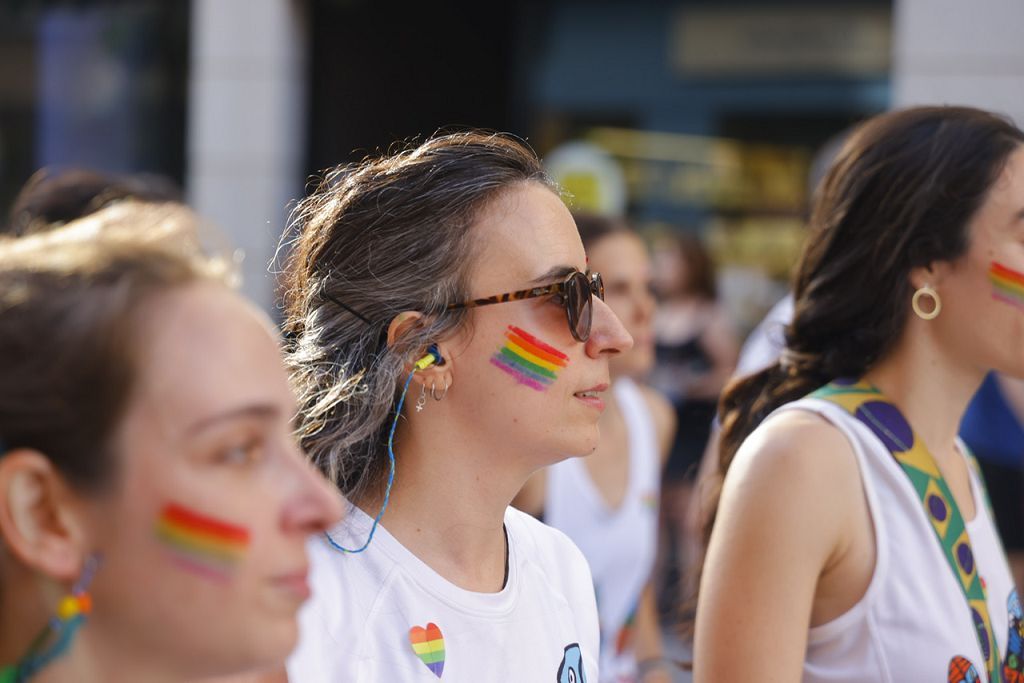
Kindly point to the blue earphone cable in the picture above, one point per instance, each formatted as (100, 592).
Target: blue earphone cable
(391, 474)
(36, 662)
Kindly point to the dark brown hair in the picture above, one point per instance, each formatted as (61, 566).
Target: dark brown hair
(69, 300)
(593, 227)
(376, 238)
(899, 196)
(51, 198)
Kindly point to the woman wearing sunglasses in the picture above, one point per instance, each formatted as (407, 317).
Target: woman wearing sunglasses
(454, 273)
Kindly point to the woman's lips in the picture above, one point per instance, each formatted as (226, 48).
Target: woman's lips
(592, 396)
(296, 584)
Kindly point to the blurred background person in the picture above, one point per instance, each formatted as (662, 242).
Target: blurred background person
(607, 502)
(695, 354)
(761, 348)
(763, 345)
(154, 505)
(993, 428)
(51, 197)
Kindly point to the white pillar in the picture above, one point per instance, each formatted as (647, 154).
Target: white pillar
(960, 52)
(246, 124)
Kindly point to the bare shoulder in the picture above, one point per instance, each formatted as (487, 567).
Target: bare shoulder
(663, 415)
(799, 460)
(783, 517)
(797, 444)
(798, 466)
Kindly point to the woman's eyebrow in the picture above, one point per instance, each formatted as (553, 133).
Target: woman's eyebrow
(257, 410)
(555, 273)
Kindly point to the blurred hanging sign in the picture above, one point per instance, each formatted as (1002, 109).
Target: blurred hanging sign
(845, 40)
(717, 173)
(590, 178)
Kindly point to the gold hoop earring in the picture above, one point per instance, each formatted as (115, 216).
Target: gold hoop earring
(915, 303)
(444, 393)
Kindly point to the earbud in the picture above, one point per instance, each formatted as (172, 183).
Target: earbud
(433, 357)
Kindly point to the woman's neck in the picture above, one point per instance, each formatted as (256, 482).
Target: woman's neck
(931, 386)
(448, 505)
(93, 658)
(27, 601)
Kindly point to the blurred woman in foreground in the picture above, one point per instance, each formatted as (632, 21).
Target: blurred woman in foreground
(153, 503)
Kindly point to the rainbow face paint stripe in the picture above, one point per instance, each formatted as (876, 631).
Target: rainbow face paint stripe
(528, 360)
(200, 544)
(1007, 285)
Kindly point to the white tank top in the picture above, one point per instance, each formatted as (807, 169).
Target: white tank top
(913, 623)
(618, 543)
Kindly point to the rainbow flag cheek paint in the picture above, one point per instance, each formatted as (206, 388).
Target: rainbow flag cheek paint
(1007, 285)
(528, 360)
(199, 544)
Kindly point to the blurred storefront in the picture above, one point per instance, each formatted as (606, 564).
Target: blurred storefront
(714, 112)
(698, 116)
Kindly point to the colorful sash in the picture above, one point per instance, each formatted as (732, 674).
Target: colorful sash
(885, 421)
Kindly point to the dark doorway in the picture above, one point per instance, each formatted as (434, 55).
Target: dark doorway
(382, 72)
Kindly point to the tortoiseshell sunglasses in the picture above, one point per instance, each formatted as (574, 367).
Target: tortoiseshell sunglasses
(577, 292)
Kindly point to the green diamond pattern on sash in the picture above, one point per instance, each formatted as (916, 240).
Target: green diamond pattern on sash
(885, 421)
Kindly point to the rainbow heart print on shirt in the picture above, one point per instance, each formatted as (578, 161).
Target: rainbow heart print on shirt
(200, 544)
(428, 644)
(528, 360)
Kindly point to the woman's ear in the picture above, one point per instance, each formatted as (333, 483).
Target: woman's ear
(437, 376)
(38, 517)
(932, 275)
(402, 323)
(435, 372)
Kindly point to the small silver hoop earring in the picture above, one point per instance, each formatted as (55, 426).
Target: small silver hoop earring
(444, 393)
(421, 402)
(915, 303)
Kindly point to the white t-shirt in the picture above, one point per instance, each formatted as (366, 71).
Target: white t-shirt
(384, 615)
(913, 623)
(619, 543)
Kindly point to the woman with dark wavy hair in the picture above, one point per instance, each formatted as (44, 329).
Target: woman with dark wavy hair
(852, 540)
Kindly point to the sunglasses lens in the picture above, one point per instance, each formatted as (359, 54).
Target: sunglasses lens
(597, 285)
(580, 307)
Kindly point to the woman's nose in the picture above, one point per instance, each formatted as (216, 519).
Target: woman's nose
(607, 333)
(316, 505)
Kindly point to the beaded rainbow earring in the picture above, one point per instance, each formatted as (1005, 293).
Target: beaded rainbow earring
(60, 631)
